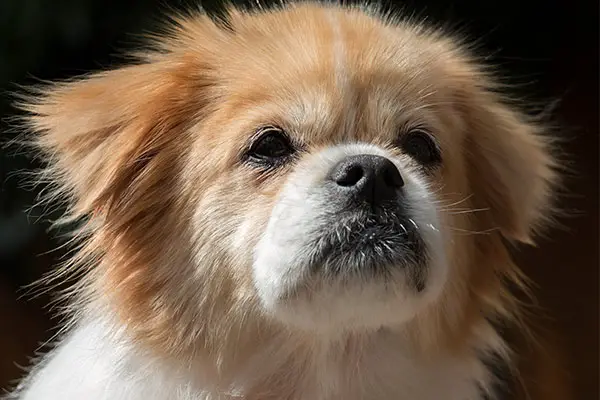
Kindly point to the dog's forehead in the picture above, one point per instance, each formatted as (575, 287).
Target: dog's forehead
(334, 73)
(331, 48)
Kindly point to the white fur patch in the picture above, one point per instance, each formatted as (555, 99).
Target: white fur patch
(94, 363)
(301, 213)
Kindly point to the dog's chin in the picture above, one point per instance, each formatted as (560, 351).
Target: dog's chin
(364, 271)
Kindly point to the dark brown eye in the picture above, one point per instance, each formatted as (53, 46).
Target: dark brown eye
(272, 146)
(422, 147)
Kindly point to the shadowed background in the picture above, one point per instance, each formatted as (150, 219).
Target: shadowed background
(548, 48)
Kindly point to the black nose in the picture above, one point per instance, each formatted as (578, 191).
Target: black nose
(368, 178)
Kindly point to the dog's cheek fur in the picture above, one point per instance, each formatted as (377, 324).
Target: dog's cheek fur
(118, 147)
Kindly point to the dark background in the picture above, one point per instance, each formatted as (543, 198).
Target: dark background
(548, 48)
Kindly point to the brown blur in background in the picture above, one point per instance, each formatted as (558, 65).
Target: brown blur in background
(549, 49)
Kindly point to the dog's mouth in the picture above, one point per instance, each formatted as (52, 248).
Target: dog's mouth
(370, 244)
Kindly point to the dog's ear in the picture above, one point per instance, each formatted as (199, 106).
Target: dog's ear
(512, 171)
(100, 132)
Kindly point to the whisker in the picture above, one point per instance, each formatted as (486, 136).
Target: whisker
(457, 202)
(466, 211)
(470, 232)
(414, 224)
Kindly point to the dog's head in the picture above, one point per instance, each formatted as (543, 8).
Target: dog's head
(315, 169)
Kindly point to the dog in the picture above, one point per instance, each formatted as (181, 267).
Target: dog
(311, 202)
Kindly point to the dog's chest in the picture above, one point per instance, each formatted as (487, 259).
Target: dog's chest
(88, 367)
(378, 373)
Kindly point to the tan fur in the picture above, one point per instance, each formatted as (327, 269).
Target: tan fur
(151, 152)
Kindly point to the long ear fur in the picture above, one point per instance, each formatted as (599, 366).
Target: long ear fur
(99, 132)
(511, 165)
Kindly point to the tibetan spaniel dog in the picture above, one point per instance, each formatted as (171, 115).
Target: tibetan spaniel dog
(310, 202)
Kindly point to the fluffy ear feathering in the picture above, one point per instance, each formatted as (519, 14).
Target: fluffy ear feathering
(513, 165)
(138, 149)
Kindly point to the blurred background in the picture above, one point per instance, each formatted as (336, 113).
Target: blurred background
(549, 49)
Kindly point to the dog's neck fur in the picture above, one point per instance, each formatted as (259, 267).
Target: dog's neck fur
(95, 361)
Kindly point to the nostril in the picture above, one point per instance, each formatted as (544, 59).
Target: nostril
(392, 177)
(350, 175)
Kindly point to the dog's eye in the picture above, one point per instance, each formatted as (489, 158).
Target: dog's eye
(272, 146)
(421, 146)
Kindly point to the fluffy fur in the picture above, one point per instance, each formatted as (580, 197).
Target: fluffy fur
(188, 252)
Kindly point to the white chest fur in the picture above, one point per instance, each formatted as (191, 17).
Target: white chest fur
(88, 365)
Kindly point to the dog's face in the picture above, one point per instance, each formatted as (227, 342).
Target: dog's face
(313, 167)
(353, 236)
